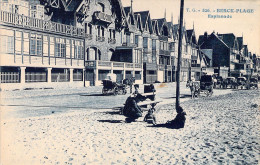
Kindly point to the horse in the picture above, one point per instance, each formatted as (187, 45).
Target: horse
(194, 88)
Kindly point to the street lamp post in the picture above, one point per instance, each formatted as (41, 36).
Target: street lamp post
(179, 120)
(179, 57)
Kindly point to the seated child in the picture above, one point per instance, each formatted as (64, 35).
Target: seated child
(150, 117)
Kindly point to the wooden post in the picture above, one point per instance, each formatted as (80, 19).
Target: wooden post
(179, 58)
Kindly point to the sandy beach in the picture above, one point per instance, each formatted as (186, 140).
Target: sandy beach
(223, 129)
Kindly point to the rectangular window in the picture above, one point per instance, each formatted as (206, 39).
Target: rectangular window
(60, 47)
(99, 31)
(7, 41)
(39, 45)
(154, 44)
(37, 11)
(137, 56)
(18, 42)
(136, 40)
(89, 29)
(114, 34)
(33, 44)
(52, 46)
(145, 42)
(36, 44)
(45, 46)
(68, 48)
(150, 43)
(78, 50)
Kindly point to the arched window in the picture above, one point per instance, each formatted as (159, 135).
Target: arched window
(101, 7)
(109, 54)
(91, 52)
(98, 54)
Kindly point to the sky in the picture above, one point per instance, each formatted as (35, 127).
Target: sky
(245, 16)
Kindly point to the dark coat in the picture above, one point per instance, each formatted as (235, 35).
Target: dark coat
(131, 109)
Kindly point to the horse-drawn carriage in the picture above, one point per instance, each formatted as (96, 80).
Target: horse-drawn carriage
(229, 82)
(253, 83)
(219, 82)
(110, 86)
(206, 85)
(242, 83)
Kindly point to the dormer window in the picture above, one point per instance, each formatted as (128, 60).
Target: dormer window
(37, 11)
(165, 31)
(146, 28)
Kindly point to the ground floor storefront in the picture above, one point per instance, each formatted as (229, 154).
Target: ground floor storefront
(13, 77)
(96, 71)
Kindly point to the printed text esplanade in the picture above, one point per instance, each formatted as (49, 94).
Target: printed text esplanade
(54, 43)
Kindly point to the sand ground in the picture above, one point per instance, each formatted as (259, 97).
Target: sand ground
(223, 129)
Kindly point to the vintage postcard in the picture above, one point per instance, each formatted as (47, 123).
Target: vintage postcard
(129, 82)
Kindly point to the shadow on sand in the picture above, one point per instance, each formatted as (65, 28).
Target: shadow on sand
(164, 126)
(111, 121)
(94, 95)
(112, 113)
(182, 96)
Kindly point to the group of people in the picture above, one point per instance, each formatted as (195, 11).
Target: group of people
(133, 111)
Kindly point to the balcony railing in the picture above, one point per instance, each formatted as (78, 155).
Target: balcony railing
(77, 77)
(169, 67)
(163, 38)
(161, 67)
(9, 77)
(110, 64)
(138, 65)
(129, 65)
(118, 64)
(100, 38)
(129, 44)
(35, 77)
(60, 77)
(195, 65)
(164, 52)
(104, 63)
(147, 51)
(111, 40)
(100, 16)
(38, 24)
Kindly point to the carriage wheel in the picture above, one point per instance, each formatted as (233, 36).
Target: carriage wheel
(210, 93)
(206, 93)
(196, 94)
(104, 91)
(115, 91)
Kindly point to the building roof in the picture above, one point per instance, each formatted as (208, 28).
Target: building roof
(189, 33)
(207, 38)
(240, 42)
(74, 4)
(201, 40)
(228, 38)
(161, 22)
(191, 36)
(127, 10)
(144, 16)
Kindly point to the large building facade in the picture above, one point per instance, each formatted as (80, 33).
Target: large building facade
(37, 52)
(57, 43)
